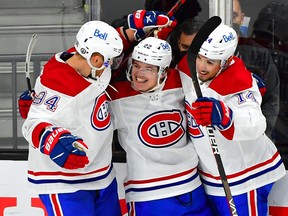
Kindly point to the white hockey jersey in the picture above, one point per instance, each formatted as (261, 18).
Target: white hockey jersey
(66, 99)
(152, 130)
(250, 158)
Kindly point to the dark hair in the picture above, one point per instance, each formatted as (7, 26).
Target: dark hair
(188, 27)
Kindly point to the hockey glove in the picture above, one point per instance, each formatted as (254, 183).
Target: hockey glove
(142, 21)
(260, 83)
(24, 103)
(209, 111)
(64, 149)
(163, 33)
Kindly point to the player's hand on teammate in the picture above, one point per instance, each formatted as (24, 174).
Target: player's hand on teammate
(209, 111)
(142, 21)
(24, 103)
(63, 148)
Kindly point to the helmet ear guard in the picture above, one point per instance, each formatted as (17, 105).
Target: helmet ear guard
(226, 63)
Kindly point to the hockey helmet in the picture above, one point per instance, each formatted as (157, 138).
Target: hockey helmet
(220, 45)
(97, 36)
(153, 51)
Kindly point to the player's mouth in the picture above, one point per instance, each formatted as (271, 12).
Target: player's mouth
(140, 80)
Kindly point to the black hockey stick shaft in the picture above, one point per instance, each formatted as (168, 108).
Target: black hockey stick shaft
(196, 44)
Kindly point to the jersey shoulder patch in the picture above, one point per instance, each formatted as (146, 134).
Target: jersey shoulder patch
(235, 78)
(60, 77)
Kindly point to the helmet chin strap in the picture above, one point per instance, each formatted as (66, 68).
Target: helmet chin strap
(94, 69)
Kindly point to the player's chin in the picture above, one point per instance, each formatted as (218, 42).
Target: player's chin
(141, 88)
(203, 78)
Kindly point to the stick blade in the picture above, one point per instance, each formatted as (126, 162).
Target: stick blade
(206, 29)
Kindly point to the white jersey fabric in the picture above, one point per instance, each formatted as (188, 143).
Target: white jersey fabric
(66, 99)
(152, 130)
(250, 158)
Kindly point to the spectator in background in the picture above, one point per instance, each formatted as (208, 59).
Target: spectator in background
(271, 31)
(181, 38)
(257, 56)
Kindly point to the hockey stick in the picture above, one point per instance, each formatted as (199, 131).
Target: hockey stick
(196, 44)
(27, 62)
(175, 8)
(170, 14)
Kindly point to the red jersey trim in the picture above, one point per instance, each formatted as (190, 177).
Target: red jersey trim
(235, 78)
(61, 77)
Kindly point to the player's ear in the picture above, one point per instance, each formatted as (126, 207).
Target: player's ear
(97, 60)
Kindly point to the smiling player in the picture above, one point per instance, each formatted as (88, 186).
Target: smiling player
(149, 114)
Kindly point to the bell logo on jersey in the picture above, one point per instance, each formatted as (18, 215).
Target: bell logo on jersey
(161, 129)
(100, 118)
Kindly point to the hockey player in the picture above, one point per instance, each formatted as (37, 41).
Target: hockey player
(231, 105)
(69, 129)
(148, 111)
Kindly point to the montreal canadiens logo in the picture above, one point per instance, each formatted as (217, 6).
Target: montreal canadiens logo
(161, 129)
(100, 117)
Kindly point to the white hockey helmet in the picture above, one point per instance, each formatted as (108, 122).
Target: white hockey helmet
(97, 36)
(153, 51)
(220, 45)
